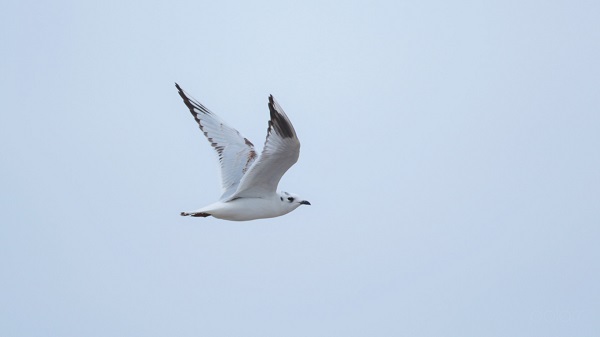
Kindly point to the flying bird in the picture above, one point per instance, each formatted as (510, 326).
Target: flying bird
(249, 181)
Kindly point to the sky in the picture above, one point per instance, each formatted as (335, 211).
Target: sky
(449, 150)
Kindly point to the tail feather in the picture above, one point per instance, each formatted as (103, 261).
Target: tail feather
(200, 214)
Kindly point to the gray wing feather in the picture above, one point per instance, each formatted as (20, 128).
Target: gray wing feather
(281, 151)
(236, 153)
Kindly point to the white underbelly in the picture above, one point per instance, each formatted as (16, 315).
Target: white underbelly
(245, 209)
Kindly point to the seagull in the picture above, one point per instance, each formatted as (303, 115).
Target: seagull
(249, 182)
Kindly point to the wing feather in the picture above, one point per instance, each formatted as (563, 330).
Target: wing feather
(281, 151)
(236, 153)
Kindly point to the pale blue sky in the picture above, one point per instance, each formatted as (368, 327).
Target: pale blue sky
(450, 151)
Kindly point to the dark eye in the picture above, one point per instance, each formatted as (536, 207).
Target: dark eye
(290, 199)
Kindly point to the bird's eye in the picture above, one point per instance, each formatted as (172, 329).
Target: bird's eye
(290, 199)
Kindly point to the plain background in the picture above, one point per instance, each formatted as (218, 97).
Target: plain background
(450, 150)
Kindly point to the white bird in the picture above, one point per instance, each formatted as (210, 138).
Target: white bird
(249, 184)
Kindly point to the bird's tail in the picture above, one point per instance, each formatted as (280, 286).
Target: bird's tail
(199, 214)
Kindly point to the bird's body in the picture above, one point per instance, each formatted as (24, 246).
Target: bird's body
(244, 209)
(249, 183)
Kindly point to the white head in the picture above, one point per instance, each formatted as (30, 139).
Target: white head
(290, 201)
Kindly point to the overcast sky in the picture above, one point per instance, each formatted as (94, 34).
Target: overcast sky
(450, 150)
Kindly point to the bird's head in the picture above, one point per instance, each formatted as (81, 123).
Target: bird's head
(291, 201)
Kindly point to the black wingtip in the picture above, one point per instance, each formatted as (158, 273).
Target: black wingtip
(189, 101)
(279, 120)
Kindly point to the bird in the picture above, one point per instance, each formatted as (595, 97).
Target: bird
(249, 182)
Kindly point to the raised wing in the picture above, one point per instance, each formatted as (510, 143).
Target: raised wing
(281, 151)
(236, 153)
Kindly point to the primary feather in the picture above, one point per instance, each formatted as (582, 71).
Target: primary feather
(236, 153)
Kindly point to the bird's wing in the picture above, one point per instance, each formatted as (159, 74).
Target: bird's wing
(281, 151)
(236, 153)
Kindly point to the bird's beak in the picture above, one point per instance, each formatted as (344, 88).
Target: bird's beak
(304, 202)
